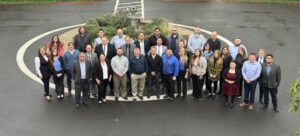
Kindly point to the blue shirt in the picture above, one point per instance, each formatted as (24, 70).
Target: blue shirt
(207, 55)
(118, 42)
(234, 50)
(196, 42)
(69, 58)
(138, 65)
(172, 63)
(82, 70)
(181, 65)
(251, 71)
(57, 64)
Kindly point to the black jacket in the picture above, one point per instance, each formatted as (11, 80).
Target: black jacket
(81, 42)
(44, 68)
(98, 70)
(146, 45)
(111, 51)
(214, 45)
(155, 65)
(152, 40)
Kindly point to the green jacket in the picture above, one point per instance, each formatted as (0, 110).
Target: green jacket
(215, 68)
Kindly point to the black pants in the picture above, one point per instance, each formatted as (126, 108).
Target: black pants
(153, 83)
(46, 85)
(69, 80)
(221, 83)
(129, 92)
(261, 92)
(102, 89)
(206, 80)
(59, 84)
(214, 90)
(170, 85)
(227, 97)
(273, 92)
(111, 86)
(197, 86)
(241, 84)
(181, 80)
(81, 86)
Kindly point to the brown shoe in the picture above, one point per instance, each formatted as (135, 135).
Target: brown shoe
(251, 106)
(243, 104)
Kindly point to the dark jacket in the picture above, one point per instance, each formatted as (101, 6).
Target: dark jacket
(155, 64)
(273, 79)
(146, 45)
(111, 51)
(226, 62)
(98, 70)
(44, 68)
(152, 40)
(138, 66)
(76, 73)
(237, 74)
(214, 45)
(186, 66)
(81, 42)
(240, 61)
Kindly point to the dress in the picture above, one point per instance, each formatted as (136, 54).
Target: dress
(230, 89)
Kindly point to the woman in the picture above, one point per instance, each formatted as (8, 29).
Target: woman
(103, 74)
(215, 64)
(240, 59)
(55, 43)
(225, 55)
(57, 67)
(197, 70)
(230, 86)
(183, 72)
(43, 71)
(207, 53)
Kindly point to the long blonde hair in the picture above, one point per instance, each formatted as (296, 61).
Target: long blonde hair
(183, 57)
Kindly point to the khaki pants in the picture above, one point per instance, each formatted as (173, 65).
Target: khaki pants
(120, 85)
(138, 84)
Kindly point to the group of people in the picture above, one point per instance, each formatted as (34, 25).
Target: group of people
(127, 66)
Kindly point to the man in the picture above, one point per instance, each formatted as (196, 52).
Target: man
(234, 48)
(157, 34)
(154, 73)
(119, 39)
(251, 71)
(173, 39)
(128, 47)
(82, 39)
(214, 42)
(142, 44)
(196, 40)
(93, 59)
(261, 59)
(270, 79)
(82, 76)
(170, 71)
(119, 66)
(138, 68)
(161, 49)
(98, 40)
(69, 58)
(106, 48)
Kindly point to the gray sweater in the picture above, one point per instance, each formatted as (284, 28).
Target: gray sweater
(119, 64)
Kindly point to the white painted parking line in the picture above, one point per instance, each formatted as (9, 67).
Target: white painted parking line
(130, 3)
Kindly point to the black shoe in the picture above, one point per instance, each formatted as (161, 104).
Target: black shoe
(261, 102)
(226, 104)
(141, 97)
(85, 104)
(148, 96)
(276, 109)
(134, 100)
(77, 106)
(158, 97)
(125, 98)
(177, 96)
(116, 99)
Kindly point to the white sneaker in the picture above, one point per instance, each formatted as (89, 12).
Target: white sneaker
(104, 100)
(62, 96)
(48, 98)
(58, 97)
(99, 102)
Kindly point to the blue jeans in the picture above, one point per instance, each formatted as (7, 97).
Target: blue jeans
(249, 90)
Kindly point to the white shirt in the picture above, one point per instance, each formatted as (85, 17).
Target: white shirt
(104, 70)
(261, 60)
(82, 70)
(159, 50)
(37, 63)
(142, 47)
(98, 41)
